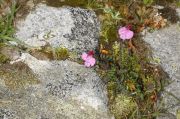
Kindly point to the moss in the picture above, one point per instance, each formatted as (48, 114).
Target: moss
(126, 75)
(122, 106)
(73, 56)
(15, 84)
(73, 3)
(3, 58)
(116, 51)
(49, 53)
(178, 114)
(17, 76)
(61, 53)
(44, 53)
(111, 88)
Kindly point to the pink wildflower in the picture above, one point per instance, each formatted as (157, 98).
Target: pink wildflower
(88, 58)
(125, 33)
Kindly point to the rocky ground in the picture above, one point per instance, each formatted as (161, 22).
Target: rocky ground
(43, 89)
(165, 45)
(34, 87)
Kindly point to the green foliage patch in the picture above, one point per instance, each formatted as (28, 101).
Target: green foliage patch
(6, 25)
(61, 53)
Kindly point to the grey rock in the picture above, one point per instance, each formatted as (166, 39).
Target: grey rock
(73, 28)
(165, 44)
(67, 90)
(178, 11)
(167, 116)
(39, 89)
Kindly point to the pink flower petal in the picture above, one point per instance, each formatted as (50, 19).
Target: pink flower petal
(89, 60)
(122, 29)
(129, 34)
(92, 61)
(125, 33)
(87, 64)
(84, 56)
(123, 36)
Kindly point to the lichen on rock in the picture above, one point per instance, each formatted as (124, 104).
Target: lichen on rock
(73, 28)
(64, 89)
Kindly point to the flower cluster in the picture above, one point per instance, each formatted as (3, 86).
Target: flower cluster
(125, 33)
(88, 58)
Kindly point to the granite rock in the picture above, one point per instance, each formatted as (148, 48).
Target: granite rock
(165, 44)
(73, 28)
(43, 89)
(60, 90)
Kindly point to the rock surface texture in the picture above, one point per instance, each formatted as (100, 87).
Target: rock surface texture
(62, 90)
(73, 28)
(40, 89)
(165, 45)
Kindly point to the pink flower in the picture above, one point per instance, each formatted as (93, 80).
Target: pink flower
(88, 58)
(125, 33)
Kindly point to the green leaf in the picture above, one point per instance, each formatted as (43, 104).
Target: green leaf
(148, 2)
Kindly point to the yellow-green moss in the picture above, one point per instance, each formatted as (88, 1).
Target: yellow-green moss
(178, 114)
(15, 84)
(111, 88)
(3, 58)
(116, 51)
(17, 76)
(43, 53)
(61, 53)
(122, 106)
(47, 52)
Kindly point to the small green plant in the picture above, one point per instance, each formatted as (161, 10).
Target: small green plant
(92, 4)
(126, 76)
(178, 3)
(61, 53)
(148, 2)
(7, 26)
(113, 13)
